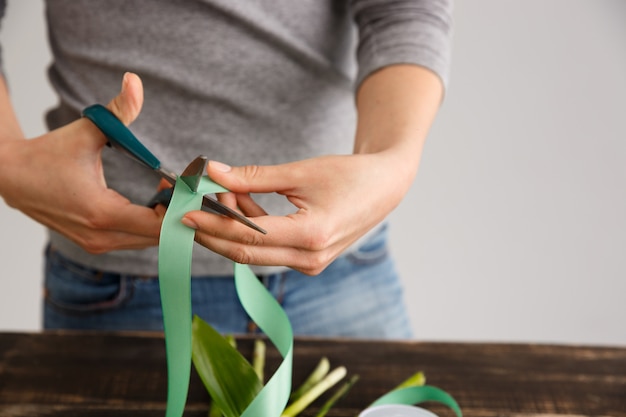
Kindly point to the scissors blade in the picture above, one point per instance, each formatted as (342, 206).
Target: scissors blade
(214, 205)
(192, 175)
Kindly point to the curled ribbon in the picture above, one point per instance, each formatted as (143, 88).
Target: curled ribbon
(175, 250)
(420, 394)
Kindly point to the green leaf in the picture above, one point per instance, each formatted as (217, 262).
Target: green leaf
(227, 375)
(416, 380)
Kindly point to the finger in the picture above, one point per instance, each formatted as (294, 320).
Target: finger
(259, 255)
(160, 209)
(310, 262)
(296, 230)
(127, 104)
(256, 178)
(249, 207)
(163, 184)
(228, 199)
(112, 241)
(296, 240)
(242, 203)
(138, 220)
(118, 214)
(96, 241)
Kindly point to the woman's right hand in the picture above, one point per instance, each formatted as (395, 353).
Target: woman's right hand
(57, 179)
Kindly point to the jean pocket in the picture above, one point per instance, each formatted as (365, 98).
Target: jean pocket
(373, 250)
(77, 289)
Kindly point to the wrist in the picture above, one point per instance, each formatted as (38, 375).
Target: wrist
(7, 155)
(393, 172)
(400, 156)
(9, 125)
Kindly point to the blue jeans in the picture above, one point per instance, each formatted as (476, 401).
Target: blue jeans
(359, 295)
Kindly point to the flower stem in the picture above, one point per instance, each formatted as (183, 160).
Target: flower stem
(338, 395)
(316, 376)
(318, 389)
(258, 358)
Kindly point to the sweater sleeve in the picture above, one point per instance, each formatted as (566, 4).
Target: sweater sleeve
(415, 32)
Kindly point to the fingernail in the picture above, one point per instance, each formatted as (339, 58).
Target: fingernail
(220, 166)
(124, 82)
(189, 223)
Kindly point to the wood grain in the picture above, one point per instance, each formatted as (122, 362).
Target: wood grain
(95, 374)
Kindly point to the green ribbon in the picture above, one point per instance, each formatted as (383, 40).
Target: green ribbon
(175, 250)
(416, 395)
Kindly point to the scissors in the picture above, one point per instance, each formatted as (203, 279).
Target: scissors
(121, 138)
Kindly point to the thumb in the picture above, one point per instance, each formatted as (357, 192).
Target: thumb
(127, 104)
(253, 178)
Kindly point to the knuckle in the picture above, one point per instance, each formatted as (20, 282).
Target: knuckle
(318, 240)
(92, 244)
(240, 255)
(93, 239)
(202, 239)
(98, 220)
(316, 262)
(96, 250)
(252, 171)
(253, 239)
(309, 272)
(115, 108)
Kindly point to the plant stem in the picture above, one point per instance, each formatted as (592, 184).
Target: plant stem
(316, 376)
(318, 389)
(258, 358)
(338, 395)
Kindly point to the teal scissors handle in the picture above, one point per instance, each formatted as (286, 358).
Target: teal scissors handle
(122, 138)
(119, 136)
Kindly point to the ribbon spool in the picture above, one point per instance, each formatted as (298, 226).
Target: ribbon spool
(396, 410)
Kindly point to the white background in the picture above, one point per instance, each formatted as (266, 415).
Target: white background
(515, 229)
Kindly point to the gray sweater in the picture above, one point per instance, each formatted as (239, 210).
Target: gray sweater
(243, 82)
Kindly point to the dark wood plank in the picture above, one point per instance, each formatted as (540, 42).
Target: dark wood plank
(100, 374)
(488, 379)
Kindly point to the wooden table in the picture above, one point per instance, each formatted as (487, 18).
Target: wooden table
(104, 374)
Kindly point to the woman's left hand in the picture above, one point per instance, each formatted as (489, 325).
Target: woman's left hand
(337, 200)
